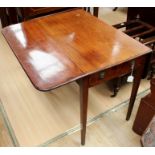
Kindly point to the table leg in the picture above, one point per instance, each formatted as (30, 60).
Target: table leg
(83, 107)
(137, 79)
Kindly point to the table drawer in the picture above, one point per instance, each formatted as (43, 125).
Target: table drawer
(115, 71)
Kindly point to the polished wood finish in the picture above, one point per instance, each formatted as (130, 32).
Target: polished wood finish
(116, 132)
(115, 71)
(146, 15)
(84, 87)
(105, 75)
(13, 15)
(26, 13)
(146, 111)
(137, 77)
(144, 33)
(54, 50)
(34, 11)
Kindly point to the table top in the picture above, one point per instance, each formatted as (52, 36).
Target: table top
(57, 49)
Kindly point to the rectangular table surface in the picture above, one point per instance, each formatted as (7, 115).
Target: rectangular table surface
(57, 49)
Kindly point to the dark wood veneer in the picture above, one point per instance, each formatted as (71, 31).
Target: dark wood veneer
(75, 46)
(145, 111)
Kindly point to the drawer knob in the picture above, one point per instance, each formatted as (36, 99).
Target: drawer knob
(102, 74)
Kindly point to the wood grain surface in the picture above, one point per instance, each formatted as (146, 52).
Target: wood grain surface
(37, 117)
(58, 49)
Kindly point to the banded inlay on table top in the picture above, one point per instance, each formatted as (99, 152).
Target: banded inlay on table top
(57, 49)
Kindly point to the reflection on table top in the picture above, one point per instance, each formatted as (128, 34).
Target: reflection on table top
(57, 49)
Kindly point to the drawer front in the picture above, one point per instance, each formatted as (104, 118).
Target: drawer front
(115, 71)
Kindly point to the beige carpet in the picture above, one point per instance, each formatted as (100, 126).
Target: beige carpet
(111, 130)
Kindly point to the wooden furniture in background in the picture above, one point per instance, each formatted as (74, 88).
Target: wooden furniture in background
(95, 11)
(144, 33)
(146, 111)
(15, 15)
(148, 137)
(8, 16)
(145, 14)
(32, 12)
(54, 51)
(26, 13)
(3, 17)
(140, 26)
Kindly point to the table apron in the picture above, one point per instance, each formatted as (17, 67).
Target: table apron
(116, 71)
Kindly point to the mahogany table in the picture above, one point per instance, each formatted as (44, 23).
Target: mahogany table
(58, 49)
